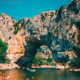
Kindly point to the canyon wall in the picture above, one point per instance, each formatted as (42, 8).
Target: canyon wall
(58, 30)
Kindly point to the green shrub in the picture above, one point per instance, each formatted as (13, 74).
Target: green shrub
(59, 14)
(43, 16)
(37, 61)
(75, 63)
(3, 48)
(16, 28)
(71, 5)
(49, 60)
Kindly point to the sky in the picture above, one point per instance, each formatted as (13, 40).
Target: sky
(18, 9)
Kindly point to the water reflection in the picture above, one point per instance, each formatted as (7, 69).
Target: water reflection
(13, 75)
(41, 74)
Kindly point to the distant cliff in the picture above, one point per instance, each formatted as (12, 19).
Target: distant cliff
(58, 30)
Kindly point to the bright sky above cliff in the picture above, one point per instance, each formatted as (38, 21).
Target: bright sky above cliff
(29, 8)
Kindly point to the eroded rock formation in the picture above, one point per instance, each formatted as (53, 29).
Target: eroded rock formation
(59, 30)
(15, 42)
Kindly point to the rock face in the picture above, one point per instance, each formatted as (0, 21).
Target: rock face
(6, 27)
(59, 31)
(15, 42)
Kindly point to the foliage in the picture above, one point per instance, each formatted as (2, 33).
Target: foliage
(16, 28)
(49, 60)
(59, 14)
(73, 7)
(43, 16)
(75, 63)
(52, 13)
(3, 48)
(38, 61)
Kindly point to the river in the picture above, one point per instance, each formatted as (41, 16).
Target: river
(40, 74)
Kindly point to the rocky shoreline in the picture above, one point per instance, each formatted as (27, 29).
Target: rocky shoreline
(8, 66)
(58, 67)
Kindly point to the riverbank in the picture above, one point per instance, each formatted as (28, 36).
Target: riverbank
(59, 67)
(14, 66)
(8, 66)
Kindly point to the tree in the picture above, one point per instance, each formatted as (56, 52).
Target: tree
(3, 48)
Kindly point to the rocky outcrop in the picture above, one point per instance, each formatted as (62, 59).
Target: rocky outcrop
(6, 27)
(15, 42)
(58, 30)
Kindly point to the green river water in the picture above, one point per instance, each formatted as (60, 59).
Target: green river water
(41, 74)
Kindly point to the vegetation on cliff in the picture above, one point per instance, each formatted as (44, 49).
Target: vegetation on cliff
(38, 61)
(16, 28)
(3, 48)
(75, 62)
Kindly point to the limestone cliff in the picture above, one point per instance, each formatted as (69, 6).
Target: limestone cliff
(58, 30)
(15, 42)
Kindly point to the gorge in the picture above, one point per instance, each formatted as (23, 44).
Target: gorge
(58, 30)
